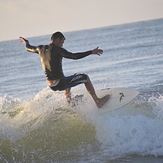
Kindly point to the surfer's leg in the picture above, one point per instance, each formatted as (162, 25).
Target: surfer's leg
(66, 83)
(99, 101)
(67, 93)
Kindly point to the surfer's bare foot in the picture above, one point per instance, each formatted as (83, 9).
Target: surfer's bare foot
(76, 98)
(68, 99)
(102, 101)
(74, 101)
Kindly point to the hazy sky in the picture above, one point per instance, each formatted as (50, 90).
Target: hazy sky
(40, 17)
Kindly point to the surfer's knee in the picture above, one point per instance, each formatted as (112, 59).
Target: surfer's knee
(84, 76)
(87, 78)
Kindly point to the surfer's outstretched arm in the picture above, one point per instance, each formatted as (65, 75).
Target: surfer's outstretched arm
(30, 48)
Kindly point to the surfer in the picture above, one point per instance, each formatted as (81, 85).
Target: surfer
(51, 58)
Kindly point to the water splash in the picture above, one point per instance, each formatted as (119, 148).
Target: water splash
(133, 129)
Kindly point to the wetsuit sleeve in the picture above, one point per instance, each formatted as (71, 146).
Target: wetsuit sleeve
(33, 49)
(70, 55)
(30, 48)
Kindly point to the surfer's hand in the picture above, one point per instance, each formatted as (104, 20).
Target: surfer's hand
(23, 40)
(97, 51)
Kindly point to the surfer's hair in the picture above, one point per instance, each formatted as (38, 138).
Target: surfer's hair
(57, 35)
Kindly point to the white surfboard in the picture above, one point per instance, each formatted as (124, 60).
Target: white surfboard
(118, 98)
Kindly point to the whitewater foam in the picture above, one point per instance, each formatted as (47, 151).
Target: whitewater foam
(133, 129)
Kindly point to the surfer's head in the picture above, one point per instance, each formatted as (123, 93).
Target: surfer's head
(57, 38)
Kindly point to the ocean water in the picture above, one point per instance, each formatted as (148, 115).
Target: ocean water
(37, 125)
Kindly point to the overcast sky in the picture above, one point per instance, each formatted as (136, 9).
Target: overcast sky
(40, 17)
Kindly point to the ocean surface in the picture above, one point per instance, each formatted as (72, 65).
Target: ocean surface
(37, 125)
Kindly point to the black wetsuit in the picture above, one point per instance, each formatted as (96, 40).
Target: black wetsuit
(51, 59)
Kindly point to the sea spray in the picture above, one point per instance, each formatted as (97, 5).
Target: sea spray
(133, 129)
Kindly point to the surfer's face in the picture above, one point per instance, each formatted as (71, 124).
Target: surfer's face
(59, 42)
